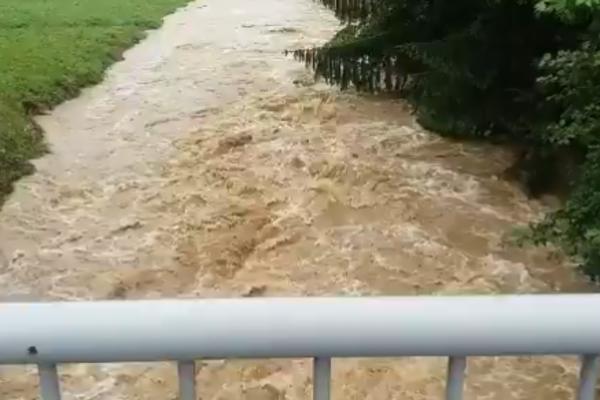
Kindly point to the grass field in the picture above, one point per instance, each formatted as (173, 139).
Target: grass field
(49, 49)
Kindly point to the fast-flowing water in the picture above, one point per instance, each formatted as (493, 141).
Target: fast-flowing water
(209, 164)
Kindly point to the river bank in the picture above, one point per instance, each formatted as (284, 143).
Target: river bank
(51, 49)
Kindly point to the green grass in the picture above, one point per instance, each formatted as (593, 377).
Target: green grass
(49, 49)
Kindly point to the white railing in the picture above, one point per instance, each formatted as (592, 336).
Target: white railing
(321, 328)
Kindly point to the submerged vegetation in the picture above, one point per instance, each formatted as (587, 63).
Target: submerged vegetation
(520, 71)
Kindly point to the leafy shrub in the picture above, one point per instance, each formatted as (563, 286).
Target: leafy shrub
(570, 81)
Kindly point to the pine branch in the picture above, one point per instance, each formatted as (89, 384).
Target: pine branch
(352, 10)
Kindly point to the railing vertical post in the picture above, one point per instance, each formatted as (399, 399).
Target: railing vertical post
(322, 378)
(186, 371)
(49, 383)
(456, 378)
(588, 377)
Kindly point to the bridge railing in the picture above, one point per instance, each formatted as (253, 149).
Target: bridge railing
(183, 331)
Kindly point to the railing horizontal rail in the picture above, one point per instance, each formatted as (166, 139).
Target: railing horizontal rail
(124, 331)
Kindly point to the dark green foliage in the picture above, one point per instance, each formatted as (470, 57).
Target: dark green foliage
(570, 81)
(576, 227)
(351, 10)
(468, 66)
(520, 70)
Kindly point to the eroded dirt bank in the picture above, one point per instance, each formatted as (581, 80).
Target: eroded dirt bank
(208, 164)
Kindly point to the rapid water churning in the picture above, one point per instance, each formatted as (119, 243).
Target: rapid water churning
(209, 164)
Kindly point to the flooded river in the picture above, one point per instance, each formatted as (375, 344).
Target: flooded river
(209, 164)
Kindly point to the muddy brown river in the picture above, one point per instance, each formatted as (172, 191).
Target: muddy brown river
(208, 164)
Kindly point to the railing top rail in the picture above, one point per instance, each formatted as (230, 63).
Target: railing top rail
(121, 331)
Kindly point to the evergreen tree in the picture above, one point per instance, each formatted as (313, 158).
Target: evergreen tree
(527, 71)
(468, 66)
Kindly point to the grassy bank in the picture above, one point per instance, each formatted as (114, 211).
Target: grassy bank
(49, 49)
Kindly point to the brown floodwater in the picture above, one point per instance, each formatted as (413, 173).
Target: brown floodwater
(209, 164)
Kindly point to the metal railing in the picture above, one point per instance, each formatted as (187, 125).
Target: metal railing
(47, 334)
